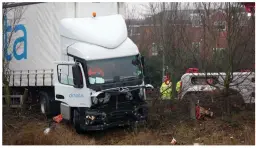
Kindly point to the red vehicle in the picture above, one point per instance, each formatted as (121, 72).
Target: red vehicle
(245, 70)
(250, 7)
(192, 70)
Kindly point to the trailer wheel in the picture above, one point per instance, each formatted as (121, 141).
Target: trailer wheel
(76, 123)
(44, 103)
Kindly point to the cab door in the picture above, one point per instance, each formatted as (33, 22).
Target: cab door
(66, 90)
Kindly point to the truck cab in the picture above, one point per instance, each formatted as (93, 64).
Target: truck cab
(100, 80)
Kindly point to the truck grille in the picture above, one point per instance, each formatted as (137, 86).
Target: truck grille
(118, 102)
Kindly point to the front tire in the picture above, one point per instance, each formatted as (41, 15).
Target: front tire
(76, 122)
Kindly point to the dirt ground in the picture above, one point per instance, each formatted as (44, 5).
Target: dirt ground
(27, 129)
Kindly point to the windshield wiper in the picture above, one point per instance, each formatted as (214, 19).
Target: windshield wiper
(129, 78)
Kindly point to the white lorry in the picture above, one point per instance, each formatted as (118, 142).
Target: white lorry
(87, 69)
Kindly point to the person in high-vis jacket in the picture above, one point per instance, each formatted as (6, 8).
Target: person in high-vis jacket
(166, 89)
(178, 88)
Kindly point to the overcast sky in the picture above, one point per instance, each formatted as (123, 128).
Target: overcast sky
(136, 8)
(140, 9)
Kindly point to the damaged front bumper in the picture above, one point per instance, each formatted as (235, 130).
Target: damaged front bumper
(100, 120)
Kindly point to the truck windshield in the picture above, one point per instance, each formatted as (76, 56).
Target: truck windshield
(114, 69)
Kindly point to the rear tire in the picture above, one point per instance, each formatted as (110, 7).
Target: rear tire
(44, 103)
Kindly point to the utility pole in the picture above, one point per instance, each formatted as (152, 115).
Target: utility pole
(163, 25)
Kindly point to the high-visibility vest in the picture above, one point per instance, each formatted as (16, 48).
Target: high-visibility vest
(178, 85)
(166, 91)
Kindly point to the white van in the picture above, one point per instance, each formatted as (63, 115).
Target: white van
(243, 82)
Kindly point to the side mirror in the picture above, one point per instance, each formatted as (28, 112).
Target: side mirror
(143, 64)
(78, 80)
(142, 61)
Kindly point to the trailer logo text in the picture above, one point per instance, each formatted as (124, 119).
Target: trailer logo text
(13, 44)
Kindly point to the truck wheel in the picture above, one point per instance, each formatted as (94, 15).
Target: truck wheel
(76, 123)
(44, 103)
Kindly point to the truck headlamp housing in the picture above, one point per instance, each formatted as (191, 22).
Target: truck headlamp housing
(106, 98)
(102, 98)
(95, 100)
(129, 96)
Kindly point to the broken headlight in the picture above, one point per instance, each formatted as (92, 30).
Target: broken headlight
(129, 96)
(95, 100)
(106, 98)
(102, 98)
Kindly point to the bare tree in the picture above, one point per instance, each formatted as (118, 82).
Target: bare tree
(10, 18)
(170, 21)
(219, 24)
(226, 24)
(140, 31)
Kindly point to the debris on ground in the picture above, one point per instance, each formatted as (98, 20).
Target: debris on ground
(57, 119)
(198, 144)
(173, 142)
(160, 130)
(47, 130)
(201, 112)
